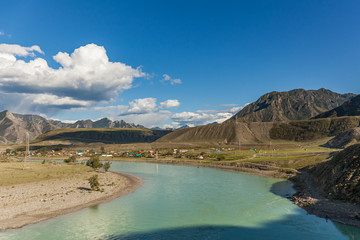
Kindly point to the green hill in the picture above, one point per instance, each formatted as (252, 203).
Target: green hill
(101, 135)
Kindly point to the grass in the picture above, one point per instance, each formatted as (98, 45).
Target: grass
(12, 173)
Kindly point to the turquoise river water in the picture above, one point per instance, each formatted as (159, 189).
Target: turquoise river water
(181, 202)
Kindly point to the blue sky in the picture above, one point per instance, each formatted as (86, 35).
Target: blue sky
(171, 62)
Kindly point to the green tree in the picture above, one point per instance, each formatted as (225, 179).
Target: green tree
(70, 159)
(102, 149)
(106, 166)
(94, 183)
(94, 162)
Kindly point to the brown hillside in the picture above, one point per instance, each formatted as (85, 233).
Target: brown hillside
(262, 132)
(224, 133)
(340, 176)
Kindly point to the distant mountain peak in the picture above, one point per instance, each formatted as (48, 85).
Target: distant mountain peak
(296, 104)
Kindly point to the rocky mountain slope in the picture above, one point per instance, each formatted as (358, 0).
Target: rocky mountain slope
(340, 176)
(14, 127)
(298, 104)
(349, 108)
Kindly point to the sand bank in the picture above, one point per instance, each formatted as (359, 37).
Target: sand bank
(28, 203)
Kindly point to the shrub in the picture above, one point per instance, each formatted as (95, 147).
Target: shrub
(94, 162)
(94, 183)
(106, 166)
(70, 159)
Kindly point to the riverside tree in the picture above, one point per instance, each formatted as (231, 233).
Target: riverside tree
(70, 159)
(94, 162)
(106, 166)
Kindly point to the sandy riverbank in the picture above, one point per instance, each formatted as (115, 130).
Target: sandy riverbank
(28, 203)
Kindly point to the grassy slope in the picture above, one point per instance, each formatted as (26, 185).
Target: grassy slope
(24, 172)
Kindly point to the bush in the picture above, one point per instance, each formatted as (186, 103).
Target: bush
(94, 183)
(70, 159)
(94, 162)
(106, 166)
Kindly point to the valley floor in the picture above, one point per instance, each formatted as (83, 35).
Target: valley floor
(27, 203)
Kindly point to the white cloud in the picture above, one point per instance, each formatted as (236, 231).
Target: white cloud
(85, 78)
(52, 100)
(171, 103)
(140, 106)
(202, 117)
(172, 81)
(17, 50)
(2, 33)
(151, 119)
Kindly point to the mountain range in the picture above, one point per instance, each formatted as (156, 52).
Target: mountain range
(14, 127)
(275, 115)
(281, 116)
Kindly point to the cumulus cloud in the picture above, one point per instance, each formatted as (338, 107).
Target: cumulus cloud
(171, 103)
(140, 106)
(85, 77)
(172, 81)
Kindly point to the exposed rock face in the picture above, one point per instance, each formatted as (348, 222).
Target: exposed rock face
(349, 108)
(298, 104)
(344, 139)
(340, 176)
(13, 127)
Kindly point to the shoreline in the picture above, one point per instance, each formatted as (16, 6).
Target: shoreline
(309, 197)
(246, 168)
(21, 219)
(307, 194)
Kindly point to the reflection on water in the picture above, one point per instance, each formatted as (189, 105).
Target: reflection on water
(180, 202)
